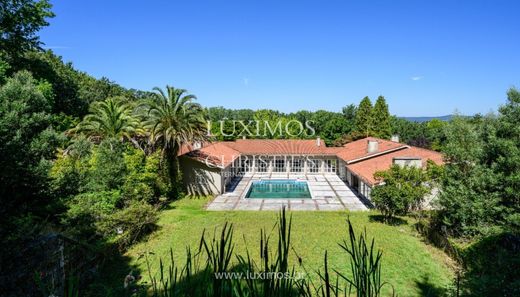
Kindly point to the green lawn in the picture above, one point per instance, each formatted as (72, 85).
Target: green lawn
(411, 266)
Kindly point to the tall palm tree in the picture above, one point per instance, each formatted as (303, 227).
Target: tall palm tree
(112, 118)
(172, 120)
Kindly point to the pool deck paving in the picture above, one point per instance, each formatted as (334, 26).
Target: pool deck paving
(329, 193)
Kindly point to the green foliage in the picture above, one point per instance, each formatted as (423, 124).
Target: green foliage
(480, 189)
(172, 120)
(144, 179)
(364, 121)
(111, 118)
(435, 134)
(106, 187)
(4, 67)
(87, 209)
(469, 200)
(20, 22)
(74, 90)
(491, 266)
(271, 124)
(70, 170)
(330, 126)
(349, 112)
(63, 78)
(98, 214)
(403, 190)
(85, 167)
(107, 166)
(26, 140)
(212, 266)
(381, 119)
(365, 263)
(412, 133)
(130, 224)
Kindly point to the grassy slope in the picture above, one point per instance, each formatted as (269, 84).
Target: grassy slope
(409, 264)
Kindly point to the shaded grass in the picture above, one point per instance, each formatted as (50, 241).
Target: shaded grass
(407, 261)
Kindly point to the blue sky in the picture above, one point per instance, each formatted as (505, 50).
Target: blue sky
(427, 58)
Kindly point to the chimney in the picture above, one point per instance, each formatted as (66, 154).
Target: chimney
(243, 137)
(318, 141)
(197, 145)
(372, 147)
(395, 138)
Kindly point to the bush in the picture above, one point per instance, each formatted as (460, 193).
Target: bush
(144, 180)
(70, 170)
(87, 210)
(403, 189)
(492, 264)
(108, 169)
(129, 224)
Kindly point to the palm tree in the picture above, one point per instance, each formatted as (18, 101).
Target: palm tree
(172, 120)
(112, 118)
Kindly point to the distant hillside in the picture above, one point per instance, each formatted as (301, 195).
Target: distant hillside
(426, 119)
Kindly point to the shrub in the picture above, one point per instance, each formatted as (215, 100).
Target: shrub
(71, 168)
(491, 266)
(87, 210)
(144, 180)
(129, 224)
(108, 169)
(403, 189)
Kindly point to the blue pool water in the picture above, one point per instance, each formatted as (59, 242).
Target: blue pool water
(279, 188)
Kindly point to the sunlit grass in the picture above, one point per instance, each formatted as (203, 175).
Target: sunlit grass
(408, 263)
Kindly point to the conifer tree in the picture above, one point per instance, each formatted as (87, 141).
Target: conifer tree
(381, 118)
(364, 123)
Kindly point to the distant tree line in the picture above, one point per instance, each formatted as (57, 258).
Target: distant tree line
(335, 128)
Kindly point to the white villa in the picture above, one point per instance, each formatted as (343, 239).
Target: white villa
(211, 169)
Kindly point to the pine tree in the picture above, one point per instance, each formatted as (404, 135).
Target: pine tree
(364, 123)
(381, 118)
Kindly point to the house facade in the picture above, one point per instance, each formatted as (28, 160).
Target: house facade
(211, 168)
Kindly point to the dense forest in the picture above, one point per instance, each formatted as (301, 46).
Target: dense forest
(96, 162)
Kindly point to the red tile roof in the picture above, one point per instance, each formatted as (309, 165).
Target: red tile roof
(355, 154)
(365, 169)
(280, 147)
(217, 154)
(359, 148)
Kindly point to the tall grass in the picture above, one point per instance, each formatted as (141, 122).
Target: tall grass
(211, 271)
(365, 264)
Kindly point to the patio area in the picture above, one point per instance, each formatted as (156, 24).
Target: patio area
(329, 193)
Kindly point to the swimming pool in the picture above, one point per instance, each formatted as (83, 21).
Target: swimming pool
(279, 188)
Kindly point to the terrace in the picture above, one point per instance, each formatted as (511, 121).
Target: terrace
(328, 192)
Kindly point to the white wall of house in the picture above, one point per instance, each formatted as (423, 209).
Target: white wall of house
(342, 169)
(364, 189)
(291, 164)
(200, 179)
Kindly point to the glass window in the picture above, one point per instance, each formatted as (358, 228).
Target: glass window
(245, 165)
(297, 165)
(279, 165)
(313, 166)
(330, 166)
(261, 165)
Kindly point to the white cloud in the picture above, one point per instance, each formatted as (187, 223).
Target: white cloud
(415, 78)
(245, 80)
